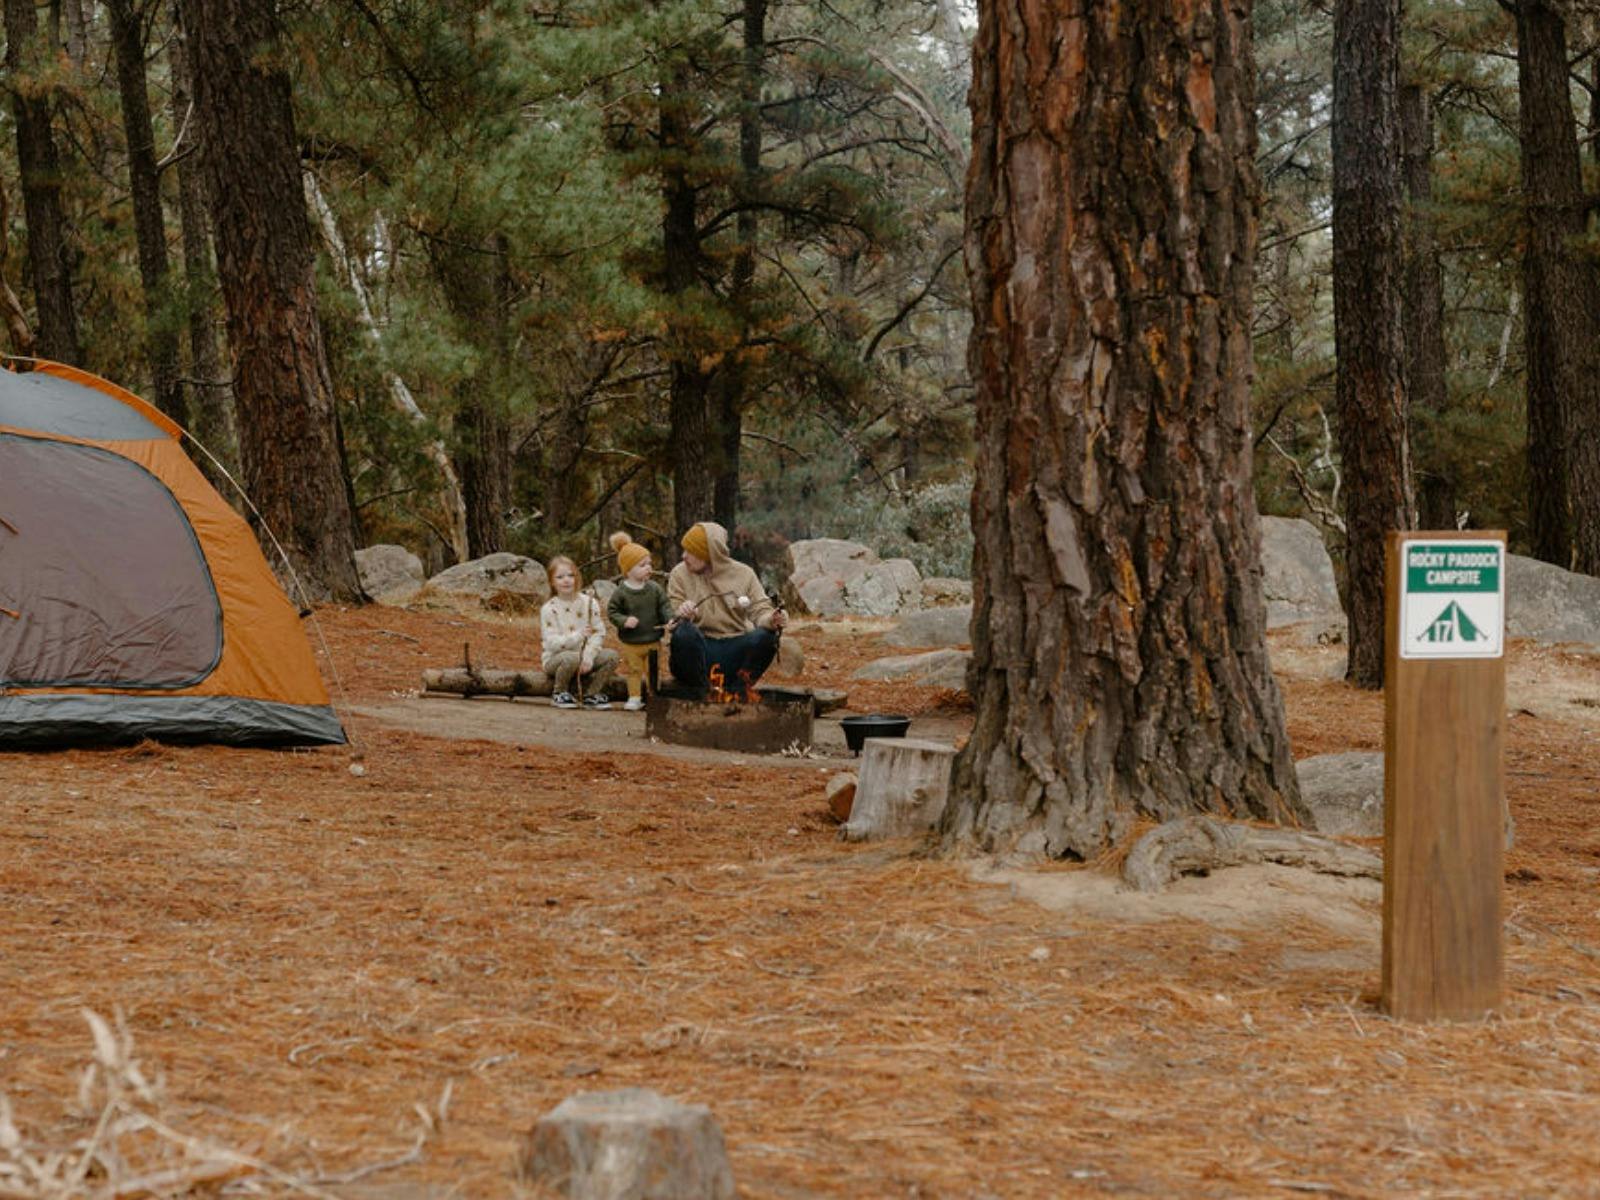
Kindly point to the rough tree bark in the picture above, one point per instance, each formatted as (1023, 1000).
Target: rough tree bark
(1368, 333)
(149, 223)
(210, 401)
(736, 377)
(1422, 294)
(1119, 634)
(475, 287)
(690, 442)
(1562, 324)
(49, 249)
(19, 334)
(288, 433)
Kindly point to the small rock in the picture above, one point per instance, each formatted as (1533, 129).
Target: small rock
(939, 591)
(389, 574)
(937, 668)
(632, 1144)
(503, 582)
(818, 570)
(946, 627)
(1298, 581)
(791, 658)
(1550, 605)
(884, 589)
(1344, 792)
(841, 794)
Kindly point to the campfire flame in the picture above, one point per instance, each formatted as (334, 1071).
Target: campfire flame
(717, 691)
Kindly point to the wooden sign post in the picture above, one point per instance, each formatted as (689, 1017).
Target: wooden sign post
(1443, 775)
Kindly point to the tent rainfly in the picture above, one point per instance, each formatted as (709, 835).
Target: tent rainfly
(134, 602)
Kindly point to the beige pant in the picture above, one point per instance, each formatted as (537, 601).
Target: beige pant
(563, 671)
(636, 665)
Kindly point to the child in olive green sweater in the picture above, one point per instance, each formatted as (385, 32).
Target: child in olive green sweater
(639, 610)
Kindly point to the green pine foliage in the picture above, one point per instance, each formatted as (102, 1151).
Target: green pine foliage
(498, 177)
(1464, 55)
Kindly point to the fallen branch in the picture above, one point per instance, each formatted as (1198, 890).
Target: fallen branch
(471, 681)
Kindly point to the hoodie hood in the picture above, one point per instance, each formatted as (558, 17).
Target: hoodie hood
(717, 540)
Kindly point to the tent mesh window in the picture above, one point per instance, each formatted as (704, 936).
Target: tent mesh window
(102, 580)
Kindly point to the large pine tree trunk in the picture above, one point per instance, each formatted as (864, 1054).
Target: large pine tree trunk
(1562, 325)
(1119, 633)
(1423, 304)
(149, 223)
(288, 436)
(1368, 332)
(49, 250)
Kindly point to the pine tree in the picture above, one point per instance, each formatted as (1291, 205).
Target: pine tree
(1119, 655)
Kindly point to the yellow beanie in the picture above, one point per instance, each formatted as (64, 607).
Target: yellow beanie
(629, 553)
(696, 542)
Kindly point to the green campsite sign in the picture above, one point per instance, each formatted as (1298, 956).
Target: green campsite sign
(1452, 599)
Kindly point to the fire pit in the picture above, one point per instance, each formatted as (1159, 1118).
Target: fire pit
(746, 720)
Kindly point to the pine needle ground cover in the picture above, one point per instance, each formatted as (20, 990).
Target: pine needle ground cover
(371, 984)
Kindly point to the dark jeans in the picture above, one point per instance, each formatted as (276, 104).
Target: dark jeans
(693, 654)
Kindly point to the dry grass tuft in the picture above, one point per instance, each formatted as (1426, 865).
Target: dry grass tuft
(122, 1140)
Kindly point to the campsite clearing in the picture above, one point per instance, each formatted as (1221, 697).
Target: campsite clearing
(375, 982)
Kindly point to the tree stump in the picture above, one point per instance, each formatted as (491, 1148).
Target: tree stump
(902, 788)
(628, 1145)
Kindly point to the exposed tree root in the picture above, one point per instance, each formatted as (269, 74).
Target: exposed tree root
(1198, 845)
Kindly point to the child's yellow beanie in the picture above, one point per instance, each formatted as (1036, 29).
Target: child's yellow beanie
(629, 553)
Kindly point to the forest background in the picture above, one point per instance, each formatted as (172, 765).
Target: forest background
(631, 264)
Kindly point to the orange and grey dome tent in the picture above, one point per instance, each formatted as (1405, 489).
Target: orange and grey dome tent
(133, 601)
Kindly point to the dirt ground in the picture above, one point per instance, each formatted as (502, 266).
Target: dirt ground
(372, 981)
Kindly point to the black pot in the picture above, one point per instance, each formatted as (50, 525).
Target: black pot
(859, 729)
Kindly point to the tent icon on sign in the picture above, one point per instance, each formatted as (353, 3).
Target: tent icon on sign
(1452, 625)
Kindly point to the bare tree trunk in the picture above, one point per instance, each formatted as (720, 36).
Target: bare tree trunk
(211, 395)
(476, 290)
(76, 39)
(1119, 630)
(18, 332)
(404, 402)
(49, 250)
(1423, 304)
(149, 223)
(735, 378)
(690, 441)
(1594, 107)
(288, 427)
(561, 461)
(1562, 324)
(1368, 332)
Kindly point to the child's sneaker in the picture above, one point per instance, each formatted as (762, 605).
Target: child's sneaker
(592, 701)
(564, 700)
(634, 704)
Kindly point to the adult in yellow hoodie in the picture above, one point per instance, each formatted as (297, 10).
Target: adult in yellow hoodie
(724, 616)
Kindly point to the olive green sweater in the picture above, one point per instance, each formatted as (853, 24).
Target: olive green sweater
(648, 603)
